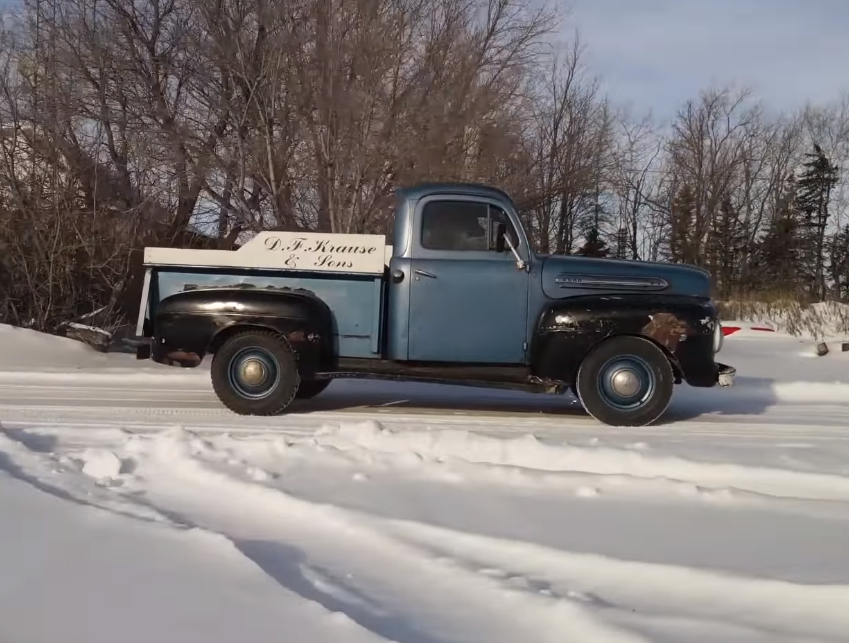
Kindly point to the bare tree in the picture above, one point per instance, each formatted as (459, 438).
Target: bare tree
(128, 123)
(638, 150)
(707, 149)
(571, 148)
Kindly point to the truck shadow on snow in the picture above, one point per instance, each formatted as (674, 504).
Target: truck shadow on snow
(400, 397)
(749, 396)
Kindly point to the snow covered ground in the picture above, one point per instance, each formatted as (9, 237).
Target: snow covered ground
(133, 508)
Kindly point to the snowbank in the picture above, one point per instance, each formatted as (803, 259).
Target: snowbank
(364, 440)
(782, 357)
(29, 353)
(825, 320)
(25, 349)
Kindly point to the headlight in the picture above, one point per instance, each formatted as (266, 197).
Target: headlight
(718, 337)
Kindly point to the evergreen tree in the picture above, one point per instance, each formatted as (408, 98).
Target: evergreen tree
(816, 182)
(594, 246)
(622, 239)
(726, 246)
(779, 255)
(839, 262)
(681, 219)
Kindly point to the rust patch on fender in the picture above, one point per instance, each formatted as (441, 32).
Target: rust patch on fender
(666, 329)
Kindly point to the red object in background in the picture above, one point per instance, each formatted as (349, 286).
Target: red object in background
(730, 330)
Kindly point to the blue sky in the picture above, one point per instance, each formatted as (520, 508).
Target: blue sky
(656, 53)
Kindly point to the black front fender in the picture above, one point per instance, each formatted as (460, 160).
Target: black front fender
(197, 322)
(682, 326)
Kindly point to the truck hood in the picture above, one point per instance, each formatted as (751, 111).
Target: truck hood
(571, 276)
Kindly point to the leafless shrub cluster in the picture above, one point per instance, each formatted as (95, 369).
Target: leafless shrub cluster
(191, 122)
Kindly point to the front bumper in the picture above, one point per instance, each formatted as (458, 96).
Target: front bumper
(725, 375)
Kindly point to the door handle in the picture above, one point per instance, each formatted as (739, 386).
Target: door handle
(425, 273)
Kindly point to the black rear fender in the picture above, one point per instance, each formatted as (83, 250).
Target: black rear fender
(199, 321)
(682, 326)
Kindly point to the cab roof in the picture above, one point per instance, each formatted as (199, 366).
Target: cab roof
(419, 190)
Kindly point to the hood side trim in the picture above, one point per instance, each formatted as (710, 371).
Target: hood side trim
(574, 280)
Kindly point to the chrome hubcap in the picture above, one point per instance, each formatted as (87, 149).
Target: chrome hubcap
(625, 382)
(252, 372)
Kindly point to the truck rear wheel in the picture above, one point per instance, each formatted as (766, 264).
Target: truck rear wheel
(626, 381)
(255, 372)
(310, 388)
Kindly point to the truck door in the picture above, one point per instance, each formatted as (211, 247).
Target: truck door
(468, 302)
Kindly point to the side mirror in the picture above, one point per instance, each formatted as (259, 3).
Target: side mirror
(500, 236)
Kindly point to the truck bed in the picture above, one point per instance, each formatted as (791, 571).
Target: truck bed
(351, 283)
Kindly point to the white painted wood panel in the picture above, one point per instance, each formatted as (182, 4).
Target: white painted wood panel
(309, 251)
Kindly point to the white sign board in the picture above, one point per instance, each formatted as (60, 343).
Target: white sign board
(304, 251)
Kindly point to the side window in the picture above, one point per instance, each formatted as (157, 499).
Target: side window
(462, 226)
(455, 225)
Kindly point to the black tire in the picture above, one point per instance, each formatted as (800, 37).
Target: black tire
(310, 388)
(275, 358)
(653, 386)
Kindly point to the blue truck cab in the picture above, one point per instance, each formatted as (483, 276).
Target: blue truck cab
(459, 297)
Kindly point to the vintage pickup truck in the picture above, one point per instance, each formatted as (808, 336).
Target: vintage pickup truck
(459, 297)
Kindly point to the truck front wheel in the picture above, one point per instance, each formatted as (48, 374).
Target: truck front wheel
(255, 372)
(626, 381)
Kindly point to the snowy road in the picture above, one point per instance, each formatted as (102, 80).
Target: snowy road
(136, 508)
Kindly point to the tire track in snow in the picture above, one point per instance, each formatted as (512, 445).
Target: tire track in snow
(312, 550)
(329, 555)
(415, 582)
(67, 478)
(662, 590)
(58, 475)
